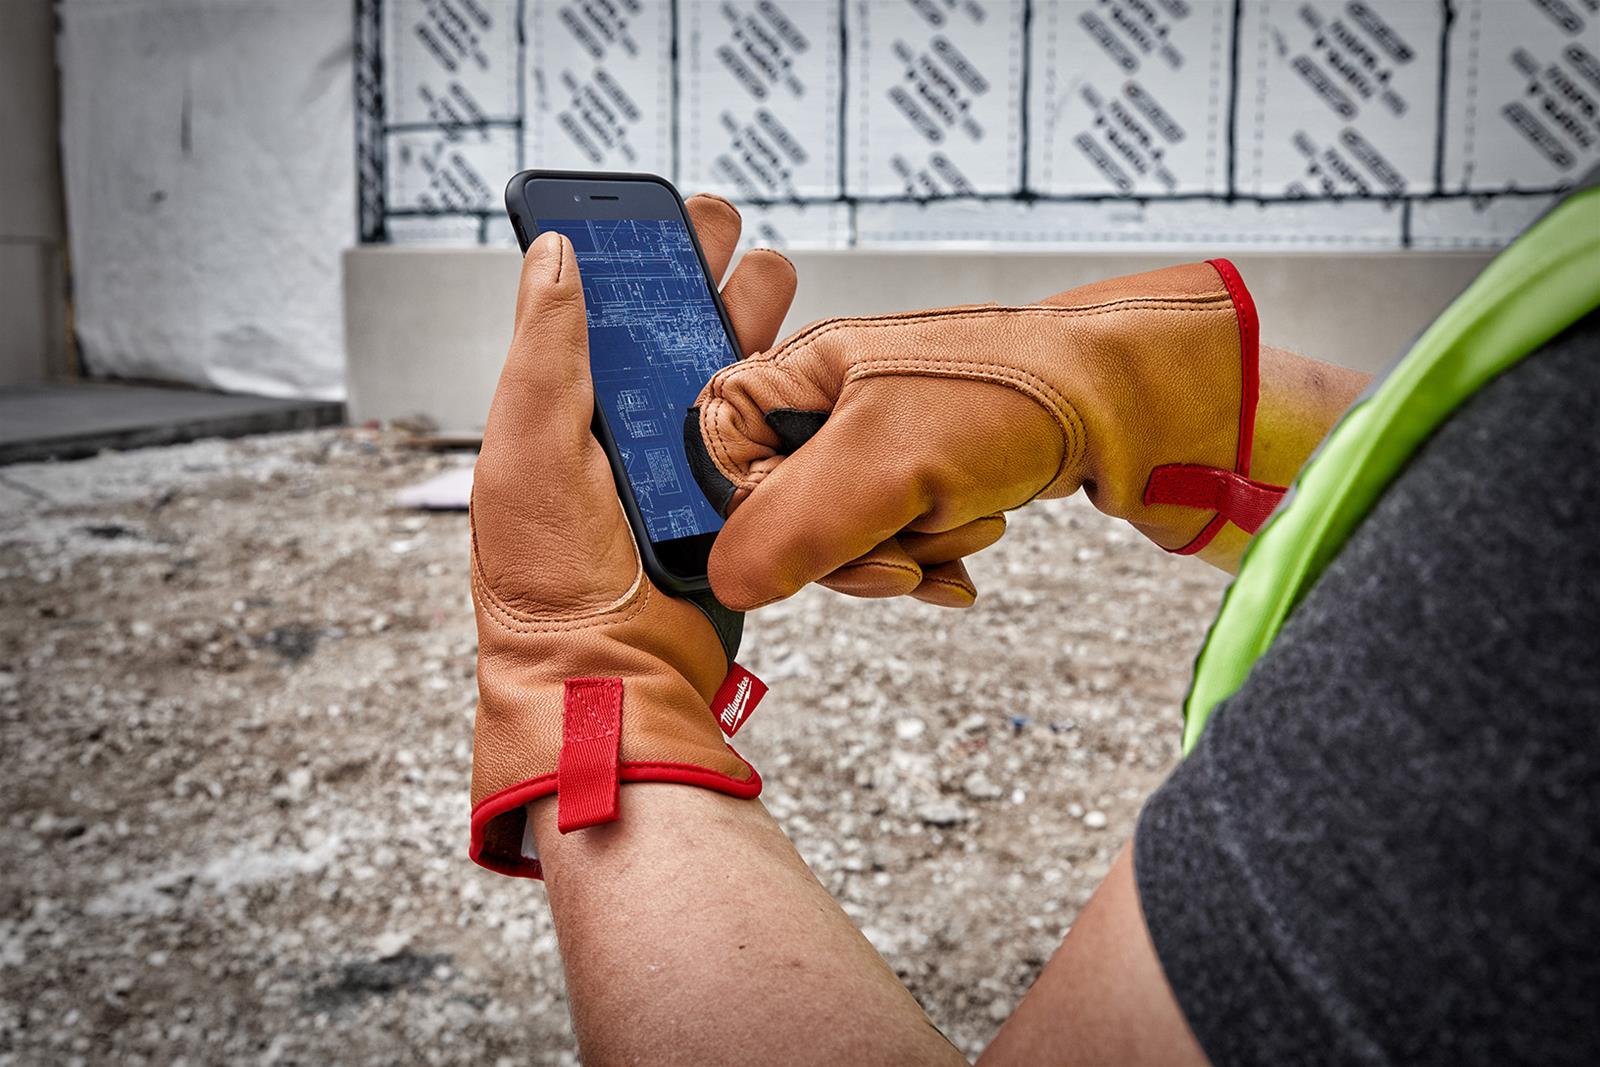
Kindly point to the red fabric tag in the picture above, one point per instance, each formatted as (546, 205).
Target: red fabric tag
(591, 748)
(736, 698)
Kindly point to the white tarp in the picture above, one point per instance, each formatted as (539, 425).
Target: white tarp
(210, 177)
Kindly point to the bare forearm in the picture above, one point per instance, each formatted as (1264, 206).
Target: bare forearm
(1301, 399)
(692, 932)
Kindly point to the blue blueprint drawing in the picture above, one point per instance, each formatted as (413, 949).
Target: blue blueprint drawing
(654, 339)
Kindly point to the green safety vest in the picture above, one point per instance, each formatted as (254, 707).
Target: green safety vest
(1548, 279)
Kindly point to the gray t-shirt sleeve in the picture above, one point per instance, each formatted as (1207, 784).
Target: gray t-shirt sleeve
(1386, 847)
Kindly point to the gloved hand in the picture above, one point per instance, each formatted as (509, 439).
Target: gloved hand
(588, 675)
(873, 454)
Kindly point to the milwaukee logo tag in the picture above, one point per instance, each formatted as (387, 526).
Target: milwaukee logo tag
(734, 713)
(736, 698)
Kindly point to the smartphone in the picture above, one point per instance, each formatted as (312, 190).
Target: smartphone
(657, 332)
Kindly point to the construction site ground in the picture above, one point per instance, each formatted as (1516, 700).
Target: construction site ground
(236, 701)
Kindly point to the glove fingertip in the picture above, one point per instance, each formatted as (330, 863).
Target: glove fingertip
(734, 581)
(947, 585)
(946, 593)
(879, 577)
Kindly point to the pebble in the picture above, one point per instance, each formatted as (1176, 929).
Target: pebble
(943, 811)
(296, 785)
(979, 786)
(1095, 820)
(972, 723)
(910, 729)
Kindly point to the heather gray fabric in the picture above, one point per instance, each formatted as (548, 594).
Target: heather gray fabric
(1386, 847)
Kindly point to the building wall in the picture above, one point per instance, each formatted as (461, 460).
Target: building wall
(1337, 125)
(220, 154)
(428, 328)
(210, 179)
(32, 279)
(1367, 154)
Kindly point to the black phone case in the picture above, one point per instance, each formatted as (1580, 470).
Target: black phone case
(516, 207)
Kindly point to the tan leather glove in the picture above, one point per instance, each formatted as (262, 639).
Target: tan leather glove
(874, 453)
(588, 675)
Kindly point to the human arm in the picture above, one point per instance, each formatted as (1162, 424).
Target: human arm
(719, 946)
(690, 930)
(1102, 997)
(1301, 399)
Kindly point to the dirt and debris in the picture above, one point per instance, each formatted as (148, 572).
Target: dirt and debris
(236, 698)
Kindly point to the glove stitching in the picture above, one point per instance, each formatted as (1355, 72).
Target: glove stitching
(1068, 421)
(817, 329)
(778, 355)
(721, 455)
(480, 582)
(964, 586)
(515, 620)
(504, 616)
(886, 564)
(719, 451)
(951, 581)
(778, 358)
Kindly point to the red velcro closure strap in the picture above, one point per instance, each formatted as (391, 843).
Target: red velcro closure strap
(1244, 502)
(736, 698)
(591, 746)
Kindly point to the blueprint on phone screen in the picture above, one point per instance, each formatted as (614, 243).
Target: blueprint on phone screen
(654, 338)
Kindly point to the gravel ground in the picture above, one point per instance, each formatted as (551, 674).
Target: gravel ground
(236, 698)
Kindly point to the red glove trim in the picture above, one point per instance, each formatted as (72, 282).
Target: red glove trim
(1233, 495)
(515, 796)
(1249, 357)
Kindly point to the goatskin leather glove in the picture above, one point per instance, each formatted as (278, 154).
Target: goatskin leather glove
(874, 453)
(588, 675)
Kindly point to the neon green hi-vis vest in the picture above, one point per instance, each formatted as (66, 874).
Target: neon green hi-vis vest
(1548, 279)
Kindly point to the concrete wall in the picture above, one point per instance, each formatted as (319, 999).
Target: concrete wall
(32, 270)
(427, 329)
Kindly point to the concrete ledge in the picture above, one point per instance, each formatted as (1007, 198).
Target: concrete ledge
(426, 329)
(74, 419)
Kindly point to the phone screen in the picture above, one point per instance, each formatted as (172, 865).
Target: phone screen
(656, 334)
(654, 338)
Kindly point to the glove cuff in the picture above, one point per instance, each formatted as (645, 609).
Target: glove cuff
(590, 770)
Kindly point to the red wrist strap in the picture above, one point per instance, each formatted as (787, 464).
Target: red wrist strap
(587, 774)
(1246, 503)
